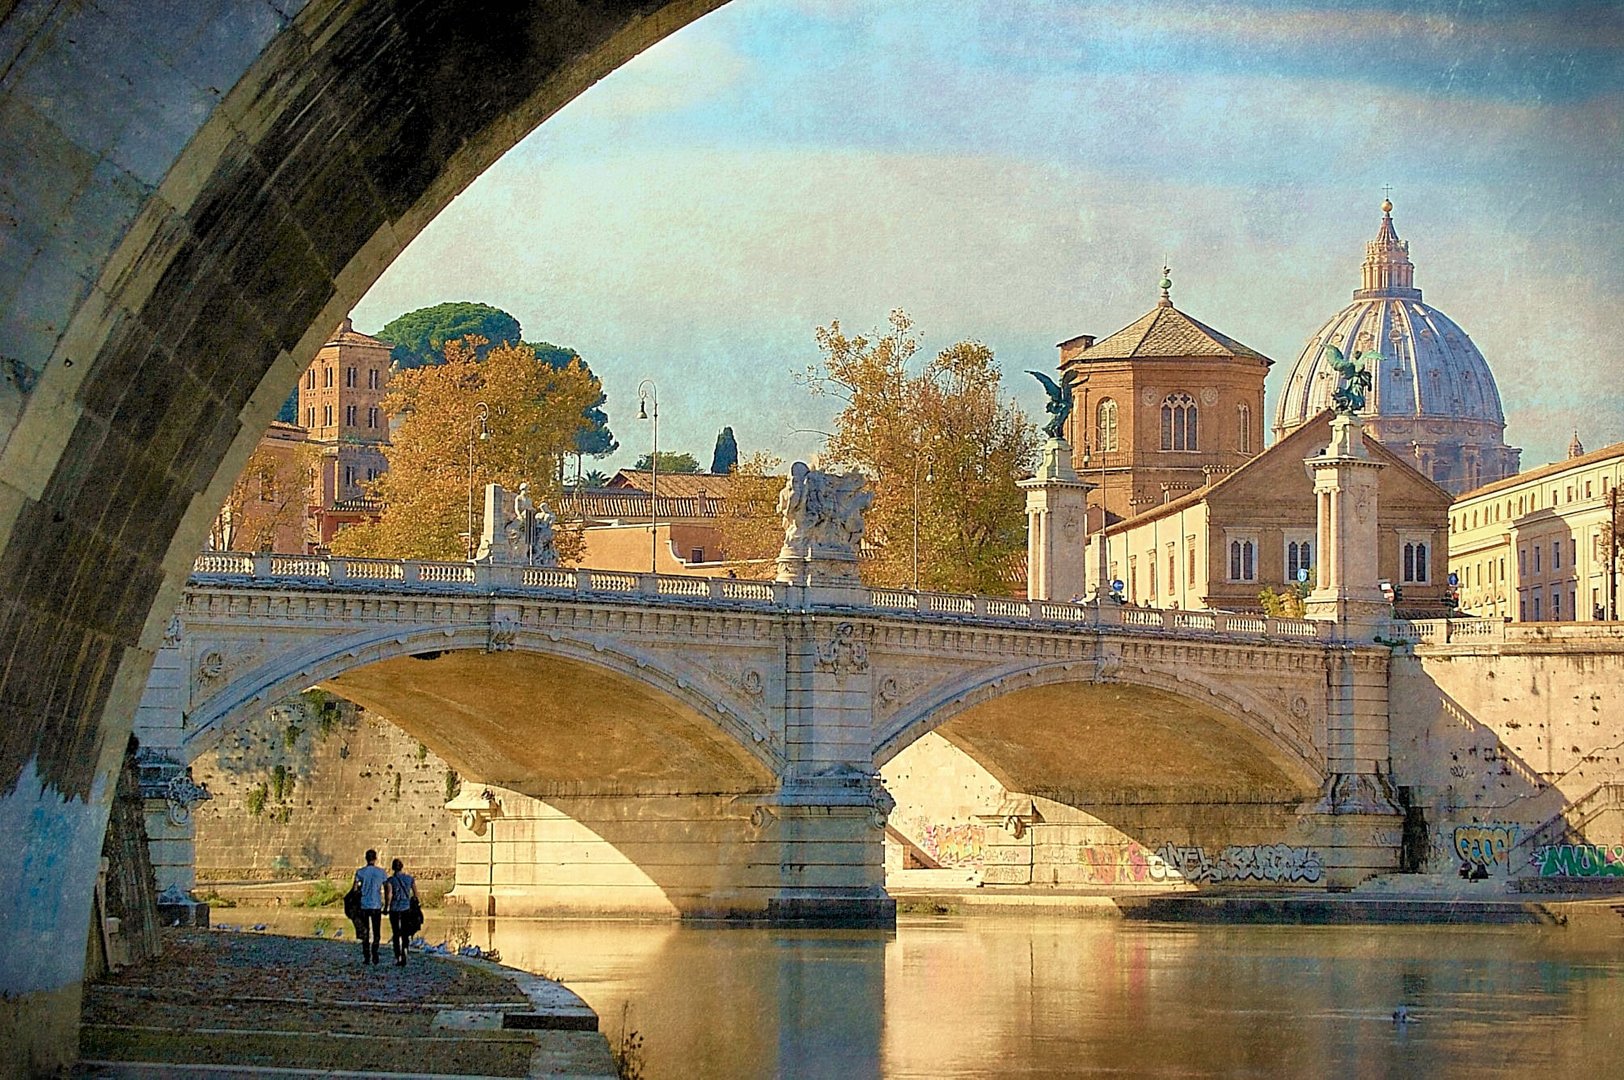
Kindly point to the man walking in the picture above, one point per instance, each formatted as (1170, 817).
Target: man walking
(370, 879)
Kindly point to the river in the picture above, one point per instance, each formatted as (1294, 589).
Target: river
(1003, 996)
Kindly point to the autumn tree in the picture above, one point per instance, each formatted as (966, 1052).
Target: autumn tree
(749, 523)
(533, 413)
(944, 431)
(266, 509)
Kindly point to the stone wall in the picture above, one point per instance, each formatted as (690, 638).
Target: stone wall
(301, 792)
(1496, 742)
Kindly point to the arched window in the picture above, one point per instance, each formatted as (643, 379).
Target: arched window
(1244, 427)
(1415, 561)
(1106, 434)
(1179, 423)
(1242, 560)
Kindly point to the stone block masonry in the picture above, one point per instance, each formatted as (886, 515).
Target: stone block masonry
(299, 797)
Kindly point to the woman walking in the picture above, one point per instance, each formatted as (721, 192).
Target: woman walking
(400, 891)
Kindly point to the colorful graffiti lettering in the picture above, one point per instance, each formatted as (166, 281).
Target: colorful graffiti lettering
(1121, 864)
(1581, 860)
(1250, 862)
(955, 845)
(1486, 844)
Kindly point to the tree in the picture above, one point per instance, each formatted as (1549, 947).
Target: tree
(419, 337)
(749, 523)
(597, 478)
(535, 411)
(266, 508)
(945, 432)
(670, 462)
(595, 440)
(725, 458)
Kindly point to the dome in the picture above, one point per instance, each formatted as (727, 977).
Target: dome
(1432, 396)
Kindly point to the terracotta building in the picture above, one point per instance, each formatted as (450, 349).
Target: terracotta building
(1255, 527)
(1537, 547)
(1433, 398)
(1163, 407)
(341, 406)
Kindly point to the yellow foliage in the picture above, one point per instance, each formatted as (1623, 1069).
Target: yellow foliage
(442, 454)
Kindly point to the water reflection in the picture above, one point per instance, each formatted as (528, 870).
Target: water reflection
(1012, 997)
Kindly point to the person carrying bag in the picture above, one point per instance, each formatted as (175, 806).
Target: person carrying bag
(405, 914)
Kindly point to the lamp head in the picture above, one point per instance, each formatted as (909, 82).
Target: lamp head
(642, 408)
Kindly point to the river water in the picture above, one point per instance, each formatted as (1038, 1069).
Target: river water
(1014, 996)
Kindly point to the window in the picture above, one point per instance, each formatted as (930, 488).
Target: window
(1133, 579)
(1522, 608)
(1243, 560)
(1522, 562)
(349, 377)
(1172, 570)
(1556, 554)
(327, 415)
(1192, 561)
(372, 378)
(1415, 561)
(1244, 428)
(349, 476)
(1179, 424)
(1106, 435)
(372, 416)
(1556, 604)
(1536, 606)
(696, 555)
(349, 415)
(1150, 570)
(1588, 489)
(1299, 556)
(1537, 550)
(310, 416)
(327, 375)
(1573, 551)
(310, 379)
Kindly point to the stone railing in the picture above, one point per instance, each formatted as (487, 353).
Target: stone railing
(416, 575)
(1497, 631)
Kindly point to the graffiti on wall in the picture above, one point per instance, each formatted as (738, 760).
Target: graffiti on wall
(1239, 862)
(1116, 864)
(955, 845)
(1487, 844)
(1580, 860)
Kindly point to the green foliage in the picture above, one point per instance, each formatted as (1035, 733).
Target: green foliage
(627, 1051)
(324, 893)
(670, 462)
(290, 736)
(453, 784)
(1286, 601)
(215, 900)
(254, 803)
(595, 479)
(725, 458)
(396, 796)
(419, 336)
(281, 783)
(422, 752)
(328, 710)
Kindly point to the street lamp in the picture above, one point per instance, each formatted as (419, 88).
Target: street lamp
(648, 408)
(479, 428)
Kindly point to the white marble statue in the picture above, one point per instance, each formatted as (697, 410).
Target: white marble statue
(823, 512)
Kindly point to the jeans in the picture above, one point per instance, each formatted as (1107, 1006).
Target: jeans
(400, 939)
(371, 920)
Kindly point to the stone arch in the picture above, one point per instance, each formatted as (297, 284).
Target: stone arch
(1282, 747)
(329, 659)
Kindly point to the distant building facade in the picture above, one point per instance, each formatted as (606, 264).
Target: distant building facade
(1162, 407)
(1256, 528)
(1433, 398)
(1537, 546)
(341, 406)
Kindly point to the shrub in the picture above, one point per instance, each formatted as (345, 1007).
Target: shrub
(324, 893)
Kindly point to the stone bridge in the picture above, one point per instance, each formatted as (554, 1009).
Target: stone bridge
(724, 735)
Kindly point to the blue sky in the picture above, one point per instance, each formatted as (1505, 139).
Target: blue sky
(1016, 172)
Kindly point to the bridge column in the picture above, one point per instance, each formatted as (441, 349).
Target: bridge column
(827, 819)
(1056, 527)
(166, 788)
(1358, 824)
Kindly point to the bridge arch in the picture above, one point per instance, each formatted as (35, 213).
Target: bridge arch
(691, 728)
(1022, 724)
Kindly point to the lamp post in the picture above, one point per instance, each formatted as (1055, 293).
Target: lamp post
(478, 428)
(648, 408)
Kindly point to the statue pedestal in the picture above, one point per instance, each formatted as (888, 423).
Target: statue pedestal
(1347, 586)
(1056, 527)
(828, 577)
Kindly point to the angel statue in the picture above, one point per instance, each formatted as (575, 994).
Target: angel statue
(1353, 379)
(1059, 404)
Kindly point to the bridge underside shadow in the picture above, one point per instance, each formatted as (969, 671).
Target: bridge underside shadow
(1115, 785)
(541, 724)
(606, 795)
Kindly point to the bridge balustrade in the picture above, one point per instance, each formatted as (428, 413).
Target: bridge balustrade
(464, 577)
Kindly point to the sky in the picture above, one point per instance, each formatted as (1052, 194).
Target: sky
(1016, 172)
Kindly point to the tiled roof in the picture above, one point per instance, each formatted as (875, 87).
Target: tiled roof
(1165, 331)
(682, 485)
(629, 504)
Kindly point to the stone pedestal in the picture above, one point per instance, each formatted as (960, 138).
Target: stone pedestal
(829, 834)
(1347, 584)
(1056, 527)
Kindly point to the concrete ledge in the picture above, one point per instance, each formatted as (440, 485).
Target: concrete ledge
(832, 912)
(1336, 911)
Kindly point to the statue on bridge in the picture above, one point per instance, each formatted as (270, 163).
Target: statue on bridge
(823, 524)
(520, 533)
(1353, 379)
(1060, 401)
